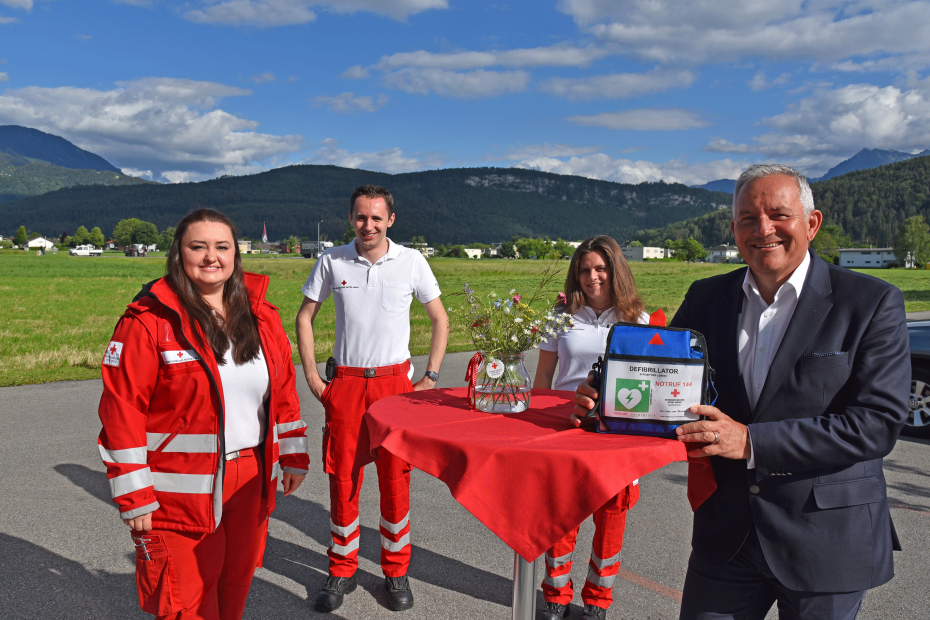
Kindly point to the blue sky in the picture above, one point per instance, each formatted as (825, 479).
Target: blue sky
(629, 91)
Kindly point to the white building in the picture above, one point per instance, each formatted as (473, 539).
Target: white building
(424, 249)
(722, 254)
(866, 258)
(641, 253)
(473, 252)
(40, 242)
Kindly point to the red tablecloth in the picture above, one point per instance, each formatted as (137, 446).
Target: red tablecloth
(530, 477)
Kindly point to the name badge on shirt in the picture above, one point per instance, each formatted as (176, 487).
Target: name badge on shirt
(179, 357)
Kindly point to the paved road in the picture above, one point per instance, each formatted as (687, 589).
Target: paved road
(64, 554)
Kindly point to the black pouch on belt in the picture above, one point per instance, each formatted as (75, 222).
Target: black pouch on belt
(330, 369)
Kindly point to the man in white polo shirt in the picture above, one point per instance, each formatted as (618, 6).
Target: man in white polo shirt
(373, 280)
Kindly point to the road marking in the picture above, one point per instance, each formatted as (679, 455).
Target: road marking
(639, 580)
(909, 509)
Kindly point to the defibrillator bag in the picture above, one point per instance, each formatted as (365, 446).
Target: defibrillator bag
(648, 379)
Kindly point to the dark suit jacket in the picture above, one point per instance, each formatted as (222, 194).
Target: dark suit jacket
(833, 403)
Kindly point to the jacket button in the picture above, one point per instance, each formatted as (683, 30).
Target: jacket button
(753, 489)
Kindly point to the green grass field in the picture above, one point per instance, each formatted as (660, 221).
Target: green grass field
(57, 312)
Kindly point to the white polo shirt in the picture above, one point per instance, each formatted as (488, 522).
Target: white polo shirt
(579, 347)
(372, 301)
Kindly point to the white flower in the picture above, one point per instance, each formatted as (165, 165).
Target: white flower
(527, 332)
(518, 320)
(514, 338)
(506, 310)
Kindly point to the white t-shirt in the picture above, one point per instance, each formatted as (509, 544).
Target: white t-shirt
(372, 301)
(579, 347)
(245, 390)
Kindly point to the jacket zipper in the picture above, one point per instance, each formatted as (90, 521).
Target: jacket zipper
(170, 437)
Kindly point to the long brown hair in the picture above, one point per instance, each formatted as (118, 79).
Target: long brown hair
(623, 296)
(239, 325)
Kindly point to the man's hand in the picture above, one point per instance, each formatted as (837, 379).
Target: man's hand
(317, 385)
(290, 482)
(585, 395)
(424, 384)
(732, 437)
(140, 524)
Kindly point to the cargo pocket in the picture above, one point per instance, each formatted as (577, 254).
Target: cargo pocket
(632, 495)
(328, 461)
(156, 577)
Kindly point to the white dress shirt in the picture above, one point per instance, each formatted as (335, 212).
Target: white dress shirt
(762, 327)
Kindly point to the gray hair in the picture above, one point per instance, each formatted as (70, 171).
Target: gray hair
(759, 171)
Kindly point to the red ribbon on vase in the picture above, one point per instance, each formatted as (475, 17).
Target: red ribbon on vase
(471, 376)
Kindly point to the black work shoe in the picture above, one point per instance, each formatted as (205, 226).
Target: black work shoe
(330, 597)
(593, 612)
(399, 595)
(552, 611)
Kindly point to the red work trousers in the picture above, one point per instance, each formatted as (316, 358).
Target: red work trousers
(345, 400)
(190, 576)
(604, 564)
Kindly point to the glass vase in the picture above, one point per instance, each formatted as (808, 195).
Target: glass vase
(503, 384)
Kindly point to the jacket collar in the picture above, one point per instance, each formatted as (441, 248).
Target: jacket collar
(256, 284)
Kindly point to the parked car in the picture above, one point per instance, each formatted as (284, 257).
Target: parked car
(918, 420)
(136, 249)
(85, 250)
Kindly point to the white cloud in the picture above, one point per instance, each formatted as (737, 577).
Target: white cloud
(604, 167)
(348, 103)
(9, 20)
(4, 77)
(643, 120)
(729, 30)
(159, 124)
(464, 85)
(389, 160)
(262, 78)
(618, 85)
(288, 12)
(545, 150)
(760, 82)
(18, 4)
(356, 72)
(84, 37)
(552, 56)
(141, 174)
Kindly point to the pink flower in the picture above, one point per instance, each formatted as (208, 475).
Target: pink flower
(516, 299)
(535, 329)
(563, 299)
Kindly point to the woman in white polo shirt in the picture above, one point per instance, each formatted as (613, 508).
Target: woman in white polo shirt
(599, 291)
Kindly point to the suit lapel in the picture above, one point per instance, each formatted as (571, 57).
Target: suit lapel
(729, 372)
(809, 315)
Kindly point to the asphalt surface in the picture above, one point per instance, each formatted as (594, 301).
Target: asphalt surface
(65, 554)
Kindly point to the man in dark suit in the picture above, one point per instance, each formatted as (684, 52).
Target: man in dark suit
(813, 375)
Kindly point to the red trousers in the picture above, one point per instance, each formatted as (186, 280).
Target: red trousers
(604, 564)
(345, 400)
(191, 576)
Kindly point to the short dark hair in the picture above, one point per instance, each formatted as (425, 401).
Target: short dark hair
(372, 191)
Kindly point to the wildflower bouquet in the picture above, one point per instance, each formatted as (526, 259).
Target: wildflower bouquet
(502, 329)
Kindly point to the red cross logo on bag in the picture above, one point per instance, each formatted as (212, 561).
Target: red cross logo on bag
(675, 392)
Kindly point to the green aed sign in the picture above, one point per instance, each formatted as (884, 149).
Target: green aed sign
(632, 395)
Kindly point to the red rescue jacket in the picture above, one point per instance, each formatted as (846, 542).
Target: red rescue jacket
(162, 411)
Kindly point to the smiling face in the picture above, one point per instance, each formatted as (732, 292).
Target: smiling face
(594, 278)
(371, 219)
(208, 256)
(771, 230)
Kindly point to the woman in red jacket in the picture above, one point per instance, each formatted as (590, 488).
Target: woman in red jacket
(200, 421)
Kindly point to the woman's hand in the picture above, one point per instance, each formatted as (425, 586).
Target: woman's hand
(290, 482)
(140, 524)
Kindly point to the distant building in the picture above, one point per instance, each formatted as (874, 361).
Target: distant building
(40, 242)
(473, 252)
(424, 249)
(632, 253)
(110, 245)
(722, 254)
(244, 246)
(869, 258)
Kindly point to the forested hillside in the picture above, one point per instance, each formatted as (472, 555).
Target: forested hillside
(21, 177)
(869, 205)
(35, 144)
(444, 206)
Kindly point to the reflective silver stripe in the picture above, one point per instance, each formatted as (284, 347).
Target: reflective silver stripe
(602, 582)
(601, 564)
(345, 549)
(558, 582)
(201, 444)
(560, 561)
(133, 481)
(274, 433)
(346, 530)
(138, 512)
(395, 528)
(182, 483)
(286, 427)
(635, 482)
(275, 471)
(390, 545)
(127, 456)
(292, 445)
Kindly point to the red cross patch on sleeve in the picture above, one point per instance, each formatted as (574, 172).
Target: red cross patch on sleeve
(114, 350)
